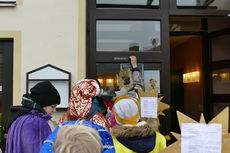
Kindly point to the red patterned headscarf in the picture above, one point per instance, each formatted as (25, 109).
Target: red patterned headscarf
(81, 102)
(81, 98)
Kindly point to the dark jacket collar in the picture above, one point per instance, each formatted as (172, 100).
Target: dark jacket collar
(30, 104)
(16, 111)
(140, 139)
(139, 144)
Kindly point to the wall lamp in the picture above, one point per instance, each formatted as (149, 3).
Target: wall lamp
(109, 82)
(191, 77)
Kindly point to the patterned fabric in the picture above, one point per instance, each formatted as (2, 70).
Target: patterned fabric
(81, 102)
(107, 140)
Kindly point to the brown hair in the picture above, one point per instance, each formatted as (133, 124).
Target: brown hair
(77, 138)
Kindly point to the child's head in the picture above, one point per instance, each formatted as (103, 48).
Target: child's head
(77, 138)
(126, 111)
(45, 94)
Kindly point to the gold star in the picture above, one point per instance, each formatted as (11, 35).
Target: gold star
(221, 118)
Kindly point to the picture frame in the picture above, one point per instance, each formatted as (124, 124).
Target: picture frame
(152, 79)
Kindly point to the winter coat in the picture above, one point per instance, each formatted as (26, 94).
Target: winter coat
(137, 139)
(106, 138)
(27, 127)
(27, 133)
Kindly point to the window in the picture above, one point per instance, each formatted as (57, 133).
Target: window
(220, 48)
(107, 72)
(209, 4)
(185, 24)
(128, 2)
(118, 35)
(221, 81)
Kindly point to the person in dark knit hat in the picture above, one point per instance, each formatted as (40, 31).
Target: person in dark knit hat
(27, 125)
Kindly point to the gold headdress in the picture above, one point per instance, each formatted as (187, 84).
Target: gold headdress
(221, 118)
(161, 106)
(154, 93)
(121, 82)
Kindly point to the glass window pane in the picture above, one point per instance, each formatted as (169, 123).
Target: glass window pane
(220, 4)
(128, 35)
(221, 81)
(185, 24)
(130, 2)
(209, 4)
(107, 75)
(220, 48)
(189, 3)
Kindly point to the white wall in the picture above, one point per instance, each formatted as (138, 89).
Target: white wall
(49, 31)
(49, 35)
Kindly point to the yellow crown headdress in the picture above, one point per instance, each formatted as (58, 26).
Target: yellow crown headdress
(154, 93)
(120, 79)
(132, 120)
(160, 106)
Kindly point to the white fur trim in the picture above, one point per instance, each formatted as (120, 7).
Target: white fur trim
(97, 88)
(81, 80)
(94, 84)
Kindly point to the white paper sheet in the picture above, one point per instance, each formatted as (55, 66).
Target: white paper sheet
(201, 138)
(149, 107)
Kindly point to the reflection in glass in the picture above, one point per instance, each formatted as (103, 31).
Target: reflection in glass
(220, 48)
(128, 35)
(194, 2)
(185, 24)
(221, 81)
(129, 2)
(107, 72)
(210, 4)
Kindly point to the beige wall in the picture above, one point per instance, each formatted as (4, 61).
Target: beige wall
(47, 32)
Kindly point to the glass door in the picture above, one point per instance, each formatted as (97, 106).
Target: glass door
(119, 29)
(219, 71)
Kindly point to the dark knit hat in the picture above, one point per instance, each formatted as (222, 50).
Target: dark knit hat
(45, 94)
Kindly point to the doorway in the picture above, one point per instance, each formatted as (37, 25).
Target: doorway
(6, 83)
(199, 44)
(186, 56)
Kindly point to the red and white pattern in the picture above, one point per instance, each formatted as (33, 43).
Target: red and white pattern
(81, 102)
